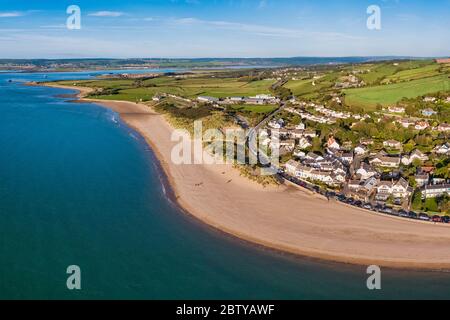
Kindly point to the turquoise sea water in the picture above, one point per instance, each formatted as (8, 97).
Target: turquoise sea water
(77, 187)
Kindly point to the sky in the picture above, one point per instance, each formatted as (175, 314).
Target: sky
(223, 28)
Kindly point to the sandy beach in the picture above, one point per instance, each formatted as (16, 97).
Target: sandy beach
(286, 218)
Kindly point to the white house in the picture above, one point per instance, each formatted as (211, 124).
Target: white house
(207, 99)
(399, 189)
(304, 143)
(388, 162)
(276, 124)
(442, 149)
(444, 127)
(436, 191)
(332, 144)
(392, 144)
(415, 155)
(360, 150)
(422, 179)
(365, 171)
(395, 109)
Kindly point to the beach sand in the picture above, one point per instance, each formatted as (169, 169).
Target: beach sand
(287, 218)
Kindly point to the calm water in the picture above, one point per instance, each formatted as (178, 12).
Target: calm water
(79, 187)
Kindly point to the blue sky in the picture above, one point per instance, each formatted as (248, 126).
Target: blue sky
(223, 28)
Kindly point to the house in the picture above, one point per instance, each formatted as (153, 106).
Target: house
(365, 171)
(399, 189)
(296, 133)
(304, 143)
(421, 125)
(429, 99)
(236, 99)
(444, 127)
(347, 157)
(444, 61)
(422, 179)
(443, 149)
(384, 190)
(313, 156)
(435, 191)
(310, 133)
(392, 144)
(299, 154)
(366, 142)
(395, 109)
(332, 144)
(406, 123)
(300, 126)
(288, 145)
(360, 150)
(276, 124)
(292, 167)
(415, 155)
(385, 161)
(428, 112)
(207, 99)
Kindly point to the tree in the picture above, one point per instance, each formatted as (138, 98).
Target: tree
(431, 204)
(417, 200)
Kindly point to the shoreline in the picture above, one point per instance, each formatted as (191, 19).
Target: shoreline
(280, 218)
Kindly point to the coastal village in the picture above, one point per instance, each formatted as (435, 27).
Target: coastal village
(376, 174)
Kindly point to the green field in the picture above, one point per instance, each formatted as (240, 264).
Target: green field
(386, 95)
(306, 89)
(188, 88)
(379, 72)
(414, 74)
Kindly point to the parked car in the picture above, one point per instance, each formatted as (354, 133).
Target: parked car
(446, 219)
(350, 201)
(424, 217)
(395, 213)
(403, 213)
(436, 219)
(386, 210)
(358, 203)
(378, 208)
(367, 206)
(398, 202)
(412, 215)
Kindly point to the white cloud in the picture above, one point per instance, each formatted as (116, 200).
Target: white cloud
(268, 31)
(106, 14)
(11, 14)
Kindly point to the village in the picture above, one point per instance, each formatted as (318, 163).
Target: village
(372, 174)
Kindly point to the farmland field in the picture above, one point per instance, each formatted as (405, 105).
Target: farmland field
(188, 88)
(389, 94)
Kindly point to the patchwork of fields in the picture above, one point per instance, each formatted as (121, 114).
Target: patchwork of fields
(188, 88)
